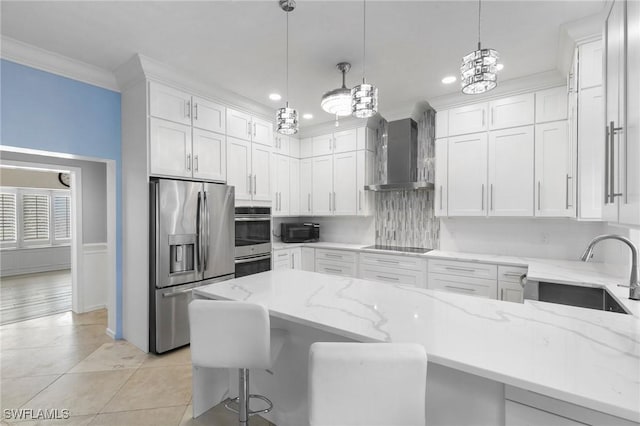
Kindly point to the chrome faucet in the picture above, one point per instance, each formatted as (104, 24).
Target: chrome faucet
(634, 279)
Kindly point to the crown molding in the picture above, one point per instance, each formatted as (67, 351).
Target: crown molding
(54, 63)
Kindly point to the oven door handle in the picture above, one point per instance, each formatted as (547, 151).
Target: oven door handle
(253, 219)
(253, 259)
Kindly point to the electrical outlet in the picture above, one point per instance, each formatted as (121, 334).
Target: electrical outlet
(544, 238)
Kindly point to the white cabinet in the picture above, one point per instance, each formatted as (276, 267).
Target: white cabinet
(308, 257)
(467, 175)
(322, 184)
(510, 173)
(280, 144)
(170, 150)
(209, 155)
(510, 283)
(169, 103)
(590, 60)
(294, 187)
(345, 194)
(249, 170)
(397, 269)
(365, 138)
(511, 112)
(463, 269)
(306, 186)
(468, 278)
(294, 147)
(523, 415)
(208, 115)
(322, 145)
(591, 134)
(343, 141)
(306, 148)
(440, 185)
(365, 160)
(245, 126)
(287, 258)
(468, 119)
(336, 262)
(551, 105)
(553, 174)
(281, 180)
(442, 124)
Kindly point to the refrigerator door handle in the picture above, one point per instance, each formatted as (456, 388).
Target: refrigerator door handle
(206, 231)
(199, 232)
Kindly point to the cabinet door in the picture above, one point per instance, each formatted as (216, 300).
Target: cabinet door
(551, 105)
(295, 255)
(308, 259)
(440, 194)
(590, 153)
(468, 119)
(523, 415)
(467, 175)
(364, 167)
(170, 149)
(239, 124)
(239, 167)
(442, 124)
(630, 167)
(306, 148)
(322, 145)
(510, 292)
(294, 147)
(261, 170)
(294, 187)
(590, 65)
(322, 181)
(366, 138)
(306, 186)
(280, 185)
(345, 141)
(345, 193)
(511, 172)
(169, 103)
(209, 115)
(280, 144)
(209, 155)
(512, 111)
(262, 132)
(553, 170)
(281, 259)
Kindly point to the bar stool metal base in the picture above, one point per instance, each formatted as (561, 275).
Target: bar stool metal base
(244, 398)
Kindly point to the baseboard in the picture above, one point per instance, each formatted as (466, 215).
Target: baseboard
(93, 308)
(33, 270)
(111, 333)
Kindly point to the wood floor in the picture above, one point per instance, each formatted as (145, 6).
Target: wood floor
(24, 297)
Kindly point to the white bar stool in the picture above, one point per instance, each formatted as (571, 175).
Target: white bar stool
(367, 384)
(228, 334)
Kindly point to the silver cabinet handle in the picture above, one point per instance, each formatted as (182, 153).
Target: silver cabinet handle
(189, 162)
(613, 131)
(394, 262)
(334, 201)
(538, 195)
(512, 274)
(333, 270)
(282, 254)
(330, 202)
(360, 200)
(453, 268)
(606, 165)
(250, 189)
(195, 163)
(483, 197)
(567, 191)
(254, 130)
(491, 196)
(502, 294)
(255, 185)
(383, 277)
(337, 256)
(195, 111)
(249, 129)
(187, 109)
(293, 261)
(309, 202)
(471, 290)
(440, 197)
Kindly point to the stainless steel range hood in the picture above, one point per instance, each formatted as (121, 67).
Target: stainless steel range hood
(402, 158)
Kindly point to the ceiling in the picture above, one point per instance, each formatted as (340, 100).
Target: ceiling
(240, 45)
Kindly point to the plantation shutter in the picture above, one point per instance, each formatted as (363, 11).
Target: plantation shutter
(35, 217)
(62, 217)
(7, 217)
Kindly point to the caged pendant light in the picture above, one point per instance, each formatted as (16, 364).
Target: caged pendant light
(287, 118)
(364, 97)
(478, 73)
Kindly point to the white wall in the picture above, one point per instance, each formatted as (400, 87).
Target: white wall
(546, 238)
(338, 229)
(32, 260)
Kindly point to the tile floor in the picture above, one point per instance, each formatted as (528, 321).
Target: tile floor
(66, 361)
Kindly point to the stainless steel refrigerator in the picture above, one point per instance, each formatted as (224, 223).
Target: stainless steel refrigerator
(192, 240)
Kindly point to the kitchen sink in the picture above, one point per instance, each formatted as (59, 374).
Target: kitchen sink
(583, 297)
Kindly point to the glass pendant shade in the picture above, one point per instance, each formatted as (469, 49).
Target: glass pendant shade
(287, 121)
(478, 72)
(337, 102)
(364, 100)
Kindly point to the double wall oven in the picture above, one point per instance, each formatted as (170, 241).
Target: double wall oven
(253, 240)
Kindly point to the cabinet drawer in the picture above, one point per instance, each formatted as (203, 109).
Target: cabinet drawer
(335, 268)
(391, 261)
(511, 274)
(463, 269)
(393, 275)
(281, 264)
(280, 255)
(337, 255)
(477, 287)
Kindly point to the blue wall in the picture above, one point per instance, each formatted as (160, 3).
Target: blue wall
(47, 112)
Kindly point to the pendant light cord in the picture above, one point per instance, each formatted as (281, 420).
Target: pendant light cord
(479, 14)
(364, 37)
(287, 73)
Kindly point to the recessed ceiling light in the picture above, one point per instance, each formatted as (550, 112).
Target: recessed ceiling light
(499, 67)
(275, 97)
(449, 79)
(307, 116)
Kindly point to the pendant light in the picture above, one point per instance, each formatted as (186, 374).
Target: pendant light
(287, 118)
(478, 72)
(364, 97)
(338, 101)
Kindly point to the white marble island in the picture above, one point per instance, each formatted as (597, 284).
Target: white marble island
(580, 356)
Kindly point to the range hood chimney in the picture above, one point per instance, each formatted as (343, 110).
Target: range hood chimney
(402, 158)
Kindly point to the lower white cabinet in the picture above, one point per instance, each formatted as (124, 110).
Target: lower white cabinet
(322, 184)
(510, 287)
(287, 258)
(308, 259)
(523, 415)
(398, 269)
(336, 262)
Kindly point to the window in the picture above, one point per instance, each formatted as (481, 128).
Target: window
(35, 217)
(62, 217)
(7, 217)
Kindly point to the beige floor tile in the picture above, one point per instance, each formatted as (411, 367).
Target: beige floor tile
(82, 393)
(153, 388)
(218, 416)
(39, 361)
(89, 334)
(167, 416)
(98, 317)
(71, 421)
(117, 355)
(17, 391)
(180, 356)
(39, 337)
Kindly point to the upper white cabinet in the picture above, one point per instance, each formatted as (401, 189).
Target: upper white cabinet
(306, 148)
(281, 182)
(511, 112)
(294, 187)
(261, 169)
(365, 138)
(322, 145)
(441, 189)
(511, 159)
(343, 141)
(306, 186)
(322, 185)
(209, 155)
(591, 133)
(345, 194)
(590, 57)
(553, 174)
(467, 175)
(169, 103)
(280, 144)
(208, 115)
(551, 105)
(467, 119)
(249, 170)
(294, 147)
(442, 124)
(170, 150)
(242, 125)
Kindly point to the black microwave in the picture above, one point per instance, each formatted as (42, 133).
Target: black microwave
(300, 232)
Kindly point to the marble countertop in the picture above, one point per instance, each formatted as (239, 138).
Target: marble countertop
(582, 356)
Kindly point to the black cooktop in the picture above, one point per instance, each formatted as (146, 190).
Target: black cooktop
(419, 250)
